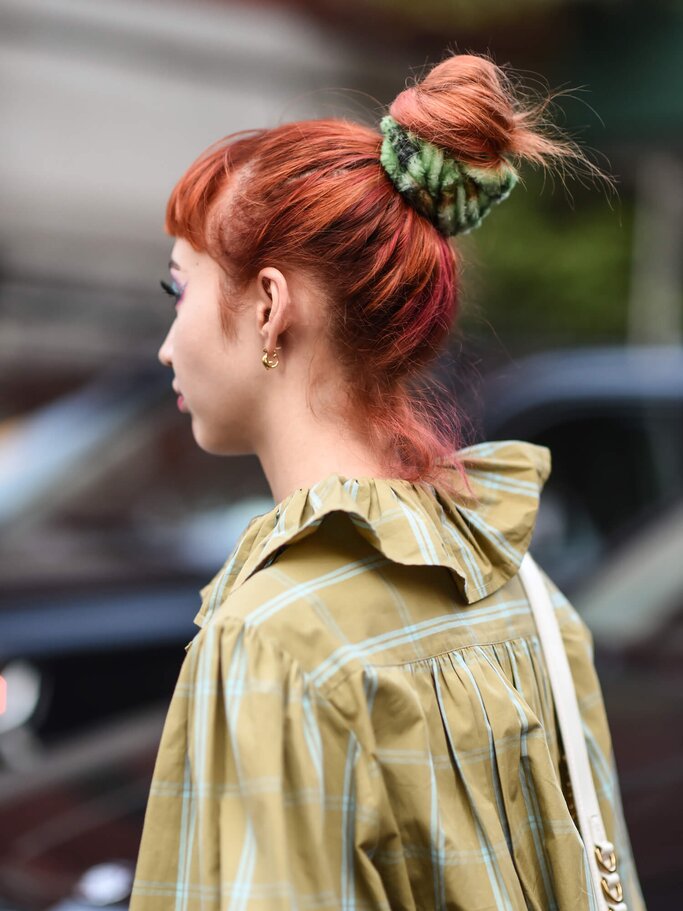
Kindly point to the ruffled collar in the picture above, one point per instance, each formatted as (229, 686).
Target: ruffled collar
(480, 541)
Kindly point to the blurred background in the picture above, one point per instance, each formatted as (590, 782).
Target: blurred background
(111, 518)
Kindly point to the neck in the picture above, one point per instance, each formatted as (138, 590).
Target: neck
(301, 450)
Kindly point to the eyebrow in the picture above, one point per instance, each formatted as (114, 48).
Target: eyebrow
(172, 264)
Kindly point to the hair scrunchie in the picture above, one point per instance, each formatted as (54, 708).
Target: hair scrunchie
(453, 195)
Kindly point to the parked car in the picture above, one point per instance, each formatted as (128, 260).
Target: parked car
(72, 817)
(613, 421)
(633, 604)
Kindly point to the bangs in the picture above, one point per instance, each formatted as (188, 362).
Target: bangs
(192, 198)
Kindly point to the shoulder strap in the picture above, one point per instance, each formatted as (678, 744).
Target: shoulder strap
(600, 852)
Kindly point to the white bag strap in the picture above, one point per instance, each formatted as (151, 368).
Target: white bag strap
(600, 852)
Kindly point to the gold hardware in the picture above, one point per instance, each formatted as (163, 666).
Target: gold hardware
(266, 360)
(615, 896)
(609, 865)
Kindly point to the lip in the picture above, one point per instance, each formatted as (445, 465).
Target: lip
(181, 399)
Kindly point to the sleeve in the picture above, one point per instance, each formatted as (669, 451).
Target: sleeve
(578, 642)
(283, 793)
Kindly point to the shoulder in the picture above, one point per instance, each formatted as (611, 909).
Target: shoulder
(297, 599)
(301, 621)
(335, 590)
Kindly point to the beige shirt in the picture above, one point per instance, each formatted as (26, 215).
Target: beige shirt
(365, 721)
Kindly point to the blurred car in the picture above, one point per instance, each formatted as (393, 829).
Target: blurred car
(613, 421)
(106, 483)
(72, 817)
(633, 604)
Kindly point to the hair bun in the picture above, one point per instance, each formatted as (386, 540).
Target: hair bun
(467, 106)
(453, 195)
(451, 139)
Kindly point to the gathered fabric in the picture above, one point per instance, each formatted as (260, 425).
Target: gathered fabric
(364, 719)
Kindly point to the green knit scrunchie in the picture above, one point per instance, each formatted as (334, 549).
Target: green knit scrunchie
(453, 195)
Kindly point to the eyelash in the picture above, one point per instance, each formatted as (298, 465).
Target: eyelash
(173, 290)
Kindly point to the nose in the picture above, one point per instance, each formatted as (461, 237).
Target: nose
(166, 350)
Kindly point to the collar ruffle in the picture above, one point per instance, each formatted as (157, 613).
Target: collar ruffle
(480, 541)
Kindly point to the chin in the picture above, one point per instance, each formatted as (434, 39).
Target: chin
(218, 444)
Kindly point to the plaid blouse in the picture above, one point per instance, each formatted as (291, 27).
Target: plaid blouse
(364, 719)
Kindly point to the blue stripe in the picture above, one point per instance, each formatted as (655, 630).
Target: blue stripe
(436, 833)
(467, 557)
(348, 827)
(237, 671)
(503, 482)
(188, 809)
(529, 788)
(494, 535)
(422, 537)
(525, 779)
(361, 651)
(314, 743)
(488, 854)
(349, 571)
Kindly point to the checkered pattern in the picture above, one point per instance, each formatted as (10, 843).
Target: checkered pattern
(364, 720)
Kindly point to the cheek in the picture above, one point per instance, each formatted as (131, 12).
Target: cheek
(219, 374)
(191, 344)
(239, 392)
(218, 378)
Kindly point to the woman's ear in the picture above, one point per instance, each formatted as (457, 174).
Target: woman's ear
(274, 305)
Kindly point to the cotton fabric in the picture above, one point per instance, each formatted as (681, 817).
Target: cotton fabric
(364, 719)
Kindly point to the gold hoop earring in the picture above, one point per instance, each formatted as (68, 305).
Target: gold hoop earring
(267, 363)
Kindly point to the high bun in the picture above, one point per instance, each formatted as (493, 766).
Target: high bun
(452, 140)
(320, 197)
(478, 112)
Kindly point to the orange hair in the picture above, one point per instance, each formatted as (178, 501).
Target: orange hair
(313, 196)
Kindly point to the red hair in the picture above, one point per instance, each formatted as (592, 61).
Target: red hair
(312, 196)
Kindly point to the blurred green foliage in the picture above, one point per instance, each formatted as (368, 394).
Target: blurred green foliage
(548, 266)
(433, 14)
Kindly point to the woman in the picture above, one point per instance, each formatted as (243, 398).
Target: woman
(364, 719)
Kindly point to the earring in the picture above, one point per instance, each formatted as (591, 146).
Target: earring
(267, 363)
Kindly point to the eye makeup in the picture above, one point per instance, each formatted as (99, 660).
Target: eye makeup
(173, 289)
